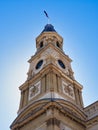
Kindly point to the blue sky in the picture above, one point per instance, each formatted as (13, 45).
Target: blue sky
(21, 21)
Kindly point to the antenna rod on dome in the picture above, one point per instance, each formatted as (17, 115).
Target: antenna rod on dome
(46, 15)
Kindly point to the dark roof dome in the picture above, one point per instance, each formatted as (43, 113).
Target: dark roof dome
(49, 28)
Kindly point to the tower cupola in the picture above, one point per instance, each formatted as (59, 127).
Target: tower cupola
(49, 36)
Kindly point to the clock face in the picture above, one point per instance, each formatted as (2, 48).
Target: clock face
(61, 64)
(39, 64)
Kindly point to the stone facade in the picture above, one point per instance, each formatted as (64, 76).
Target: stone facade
(51, 98)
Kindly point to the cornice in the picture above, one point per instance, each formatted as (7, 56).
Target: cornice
(47, 34)
(46, 70)
(41, 106)
(37, 54)
(91, 122)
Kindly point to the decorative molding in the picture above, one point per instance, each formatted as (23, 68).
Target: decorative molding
(92, 110)
(52, 95)
(68, 90)
(34, 90)
(50, 52)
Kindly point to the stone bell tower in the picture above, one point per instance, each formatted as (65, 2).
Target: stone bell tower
(51, 98)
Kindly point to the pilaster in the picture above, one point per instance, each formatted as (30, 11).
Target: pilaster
(53, 124)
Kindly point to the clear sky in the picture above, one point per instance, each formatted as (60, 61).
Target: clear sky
(21, 21)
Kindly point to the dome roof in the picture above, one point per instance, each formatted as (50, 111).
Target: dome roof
(49, 28)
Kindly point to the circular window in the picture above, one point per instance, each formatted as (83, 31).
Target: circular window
(61, 64)
(39, 64)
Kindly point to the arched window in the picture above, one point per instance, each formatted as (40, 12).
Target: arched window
(58, 44)
(41, 44)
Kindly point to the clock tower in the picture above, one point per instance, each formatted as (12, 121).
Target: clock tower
(51, 98)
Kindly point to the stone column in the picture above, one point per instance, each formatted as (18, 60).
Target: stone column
(76, 96)
(43, 84)
(21, 101)
(81, 100)
(51, 81)
(59, 84)
(48, 77)
(54, 82)
(27, 93)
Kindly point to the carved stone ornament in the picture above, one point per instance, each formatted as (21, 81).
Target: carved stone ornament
(34, 90)
(68, 89)
(50, 52)
(46, 56)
